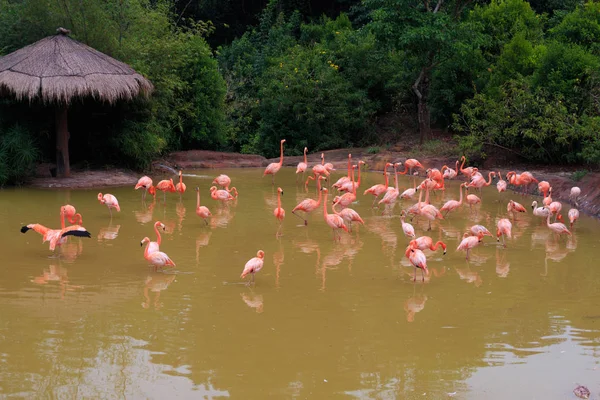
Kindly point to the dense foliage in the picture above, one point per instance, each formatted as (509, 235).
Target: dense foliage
(502, 74)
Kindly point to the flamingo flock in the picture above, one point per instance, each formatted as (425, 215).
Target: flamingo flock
(343, 216)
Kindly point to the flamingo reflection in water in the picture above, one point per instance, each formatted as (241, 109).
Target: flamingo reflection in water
(553, 253)
(502, 264)
(109, 232)
(413, 305)
(145, 216)
(56, 273)
(254, 301)
(278, 258)
(156, 282)
(180, 211)
(202, 240)
(389, 239)
(469, 276)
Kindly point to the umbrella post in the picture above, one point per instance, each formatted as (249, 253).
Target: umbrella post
(63, 168)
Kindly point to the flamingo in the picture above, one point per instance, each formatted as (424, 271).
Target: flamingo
(407, 228)
(328, 166)
(479, 181)
(409, 165)
(144, 182)
(220, 194)
(110, 201)
(470, 242)
(309, 205)
(465, 171)
(391, 194)
(449, 173)
(410, 192)
(349, 186)
(273, 168)
(348, 198)
(202, 211)
(476, 229)
(418, 260)
(301, 168)
(425, 242)
(471, 199)
(180, 187)
(56, 237)
(557, 227)
(318, 169)
(223, 181)
(452, 205)
(430, 212)
(333, 220)
(279, 212)
(543, 187)
(345, 179)
(253, 265)
(524, 179)
(513, 206)
(555, 208)
(166, 186)
(547, 197)
(154, 246)
(504, 230)
(501, 184)
(539, 211)
(378, 190)
(435, 175)
(158, 258)
(575, 192)
(349, 215)
(573, 216)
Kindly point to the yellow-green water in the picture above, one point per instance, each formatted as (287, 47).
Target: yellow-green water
(324, 320)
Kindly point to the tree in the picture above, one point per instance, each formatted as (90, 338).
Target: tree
(428, 34)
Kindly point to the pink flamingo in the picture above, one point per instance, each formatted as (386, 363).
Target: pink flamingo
(349, 215)
(557, 227)
(301, 168)
(333, 220)
(56, 237)
(449, 173)
(452, 205)
(350, 186)
(166, 186)
(465, 171)
(378, 190)
(435, 175)
(72, 215)
(409, 165)
(309, 205)
(574, 193)
(158, 258)
(253, 265)
(319, 169)
(110, 201)
(504, 230)
(479, 181)
(220, 194)
(555, 208)
(144, 182)
(425, 242)
(513, 207)
(544, 187)
(469, 242)
(418, 260)
(430, 212)
(345, 179)
(501, 184)
(573, 216)
(391, 195)
(407, 228)
(273, 168)
(223, 181)
(524, 179)
(202, 211)
(471, 199)
(279, 212)
(180, 187)
(476, 229)
(348, 198)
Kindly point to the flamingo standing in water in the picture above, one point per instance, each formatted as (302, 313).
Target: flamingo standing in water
(465, 171)
(425, 242)
(72, 215)
(378, 190)
(309, 205)
(144, 182)
(253, 265)
(469, 242)
(349, 215)
(539, 211)
(418, 260)
(166, 186)
(452, 205)
(279, 212)
(157, 258)
(504, 229)
(391, 194)
(543, 187)
(301, 168)
(110, 201)
(476, 229)
(152, 247)
(574, 194)
(350, 186)
(409, 165)
(345, 179)
(501, 184)
(225, 181)
(273, 168)
(348, 198)
(407, 228)
(479, 181)
(220, 194)
(318, 170)
(333, 220)
(202, 211)
(513, 207)
(56, 237)
(180, 187)
(573, 216)
(449, 173)
(471, 199)
(523, 179)
(557, 227)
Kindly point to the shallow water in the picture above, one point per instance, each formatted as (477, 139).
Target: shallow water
(324, 319)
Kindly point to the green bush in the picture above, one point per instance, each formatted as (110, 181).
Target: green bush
(18, 155)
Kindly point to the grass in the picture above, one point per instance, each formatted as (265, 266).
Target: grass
(373, 150)
(438, 148)
(578, 175)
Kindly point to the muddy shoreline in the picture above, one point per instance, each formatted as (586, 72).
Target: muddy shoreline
(561, 178)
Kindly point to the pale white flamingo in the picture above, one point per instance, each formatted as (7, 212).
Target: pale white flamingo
(110, 201)
(253, 265)
(504, 229)
(469, 242)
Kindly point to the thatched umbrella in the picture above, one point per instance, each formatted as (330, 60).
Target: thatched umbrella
(57, 69)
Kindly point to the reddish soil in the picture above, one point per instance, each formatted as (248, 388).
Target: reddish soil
(88, 179)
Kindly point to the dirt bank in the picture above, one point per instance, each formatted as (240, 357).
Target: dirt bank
(561, 178)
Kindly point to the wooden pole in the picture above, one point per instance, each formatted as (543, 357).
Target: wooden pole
(63, 168)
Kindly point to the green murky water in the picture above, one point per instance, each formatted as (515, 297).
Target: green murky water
(324, 320)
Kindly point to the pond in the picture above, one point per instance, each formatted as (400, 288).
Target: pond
(324, 319)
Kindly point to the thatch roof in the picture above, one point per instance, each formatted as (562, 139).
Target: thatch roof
(58, 68)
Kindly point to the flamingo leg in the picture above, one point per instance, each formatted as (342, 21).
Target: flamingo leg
(423, 275)
(415, 278)
(205, 221)
(110, 211)
(303, 219)
(468, 254)
(429, 225)
(164, 196)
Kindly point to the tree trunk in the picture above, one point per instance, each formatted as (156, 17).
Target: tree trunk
(421, 89)
(63, 168)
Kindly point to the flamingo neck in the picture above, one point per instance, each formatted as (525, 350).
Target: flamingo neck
(158, 238)
(146, 249)
(460, 196)
(456, 167)
(386, 176)
(198, 199)
(180, 178)
(278, 199)
(488, 183)
(305, 162)
(396, 178)
(353, 184)
(438, 244)
(462, 165)
(445, 167)
(358, 181)
(320, 193)
(325, 206)
(281, 154)
(427, 196)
